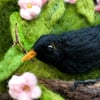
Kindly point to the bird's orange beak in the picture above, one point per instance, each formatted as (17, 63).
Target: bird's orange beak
(29, 55)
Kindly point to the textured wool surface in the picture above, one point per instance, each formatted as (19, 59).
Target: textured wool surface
(55, 17)
(5, 37)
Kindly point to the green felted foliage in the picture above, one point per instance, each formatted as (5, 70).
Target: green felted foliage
(86, 8)
(51, 13)
(97, 19)
(55, 17)
(48, 95)
(6, 66)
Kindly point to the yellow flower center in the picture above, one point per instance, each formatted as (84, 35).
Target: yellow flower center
(26, 88)
(29, 5)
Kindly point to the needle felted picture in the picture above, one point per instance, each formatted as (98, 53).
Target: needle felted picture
(49, 49)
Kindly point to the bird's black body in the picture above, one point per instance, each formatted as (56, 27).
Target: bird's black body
(71, 52)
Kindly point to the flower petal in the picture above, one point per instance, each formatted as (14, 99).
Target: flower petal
(15, 85)
(23, 3)
(36, 92)
(24, 13)
(30, 79)
(97, 8)
(36, 2)
(13, 93)
(24, 87)
(16, 80)
(24, 96)
(98, 1)
(44, 1)
(70, 1)
(35, 11)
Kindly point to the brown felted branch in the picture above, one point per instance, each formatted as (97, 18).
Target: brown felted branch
(5, 96)
(82, 92)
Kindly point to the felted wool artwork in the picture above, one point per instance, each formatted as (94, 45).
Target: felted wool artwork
(56, 16)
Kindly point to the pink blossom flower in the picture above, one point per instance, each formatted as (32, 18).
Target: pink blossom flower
(97, 7)
(24, 87)
(70, 1)
(30, 9)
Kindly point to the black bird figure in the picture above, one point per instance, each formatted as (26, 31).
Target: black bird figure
(70, 52)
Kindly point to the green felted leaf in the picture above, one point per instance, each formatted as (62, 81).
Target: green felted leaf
(43, 25)
(10, 63)
(97, 19)
(86, 8)
(48, 95)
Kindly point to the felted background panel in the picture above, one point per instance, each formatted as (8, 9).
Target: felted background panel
(55, 17)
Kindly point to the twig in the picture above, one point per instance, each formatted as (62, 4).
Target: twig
(17, 40)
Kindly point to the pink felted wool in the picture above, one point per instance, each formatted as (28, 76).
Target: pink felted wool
(24, 87)
(97, 7)
(30, 9)
(70, 1)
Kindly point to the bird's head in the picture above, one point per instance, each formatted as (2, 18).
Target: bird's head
(47, 49)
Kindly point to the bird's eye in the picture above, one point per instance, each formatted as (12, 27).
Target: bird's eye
(50, 48)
